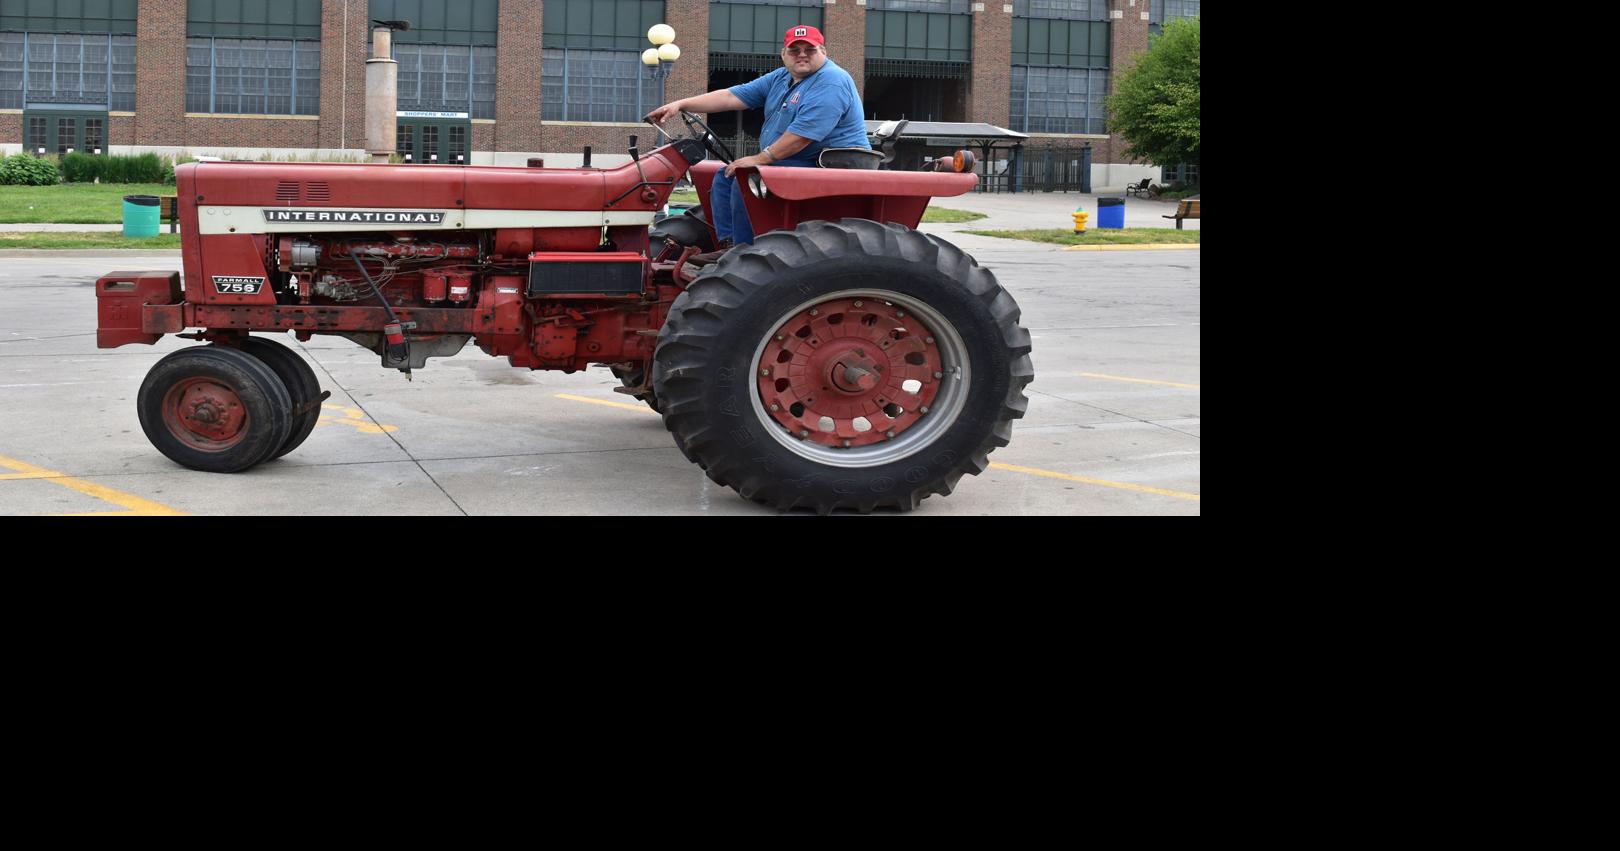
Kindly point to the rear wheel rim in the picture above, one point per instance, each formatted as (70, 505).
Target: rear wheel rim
(851, 356)
(205, 414)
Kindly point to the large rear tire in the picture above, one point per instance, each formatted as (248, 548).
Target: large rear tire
(848, 365)
(215, 409)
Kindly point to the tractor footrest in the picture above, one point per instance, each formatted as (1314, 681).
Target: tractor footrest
(137, 307)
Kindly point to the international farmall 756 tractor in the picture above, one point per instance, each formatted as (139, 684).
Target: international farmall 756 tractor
(844, 360)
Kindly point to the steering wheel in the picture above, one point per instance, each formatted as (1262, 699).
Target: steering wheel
(701, 131)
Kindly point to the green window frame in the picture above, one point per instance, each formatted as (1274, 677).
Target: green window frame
(266, 19)
(754, 28)
(603, 24)
(116, 17)
(470, 22)
(924, 36)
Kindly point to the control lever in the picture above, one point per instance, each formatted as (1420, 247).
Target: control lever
(635, 156)
(659, 127)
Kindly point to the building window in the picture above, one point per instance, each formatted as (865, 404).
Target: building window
(446, 78)
(597, 85)
(36, 135)
(1073, 10)
(246, 76)
(952, 7)
(1169, 10)
(46, 68)
(1058, 100)
(95, 141)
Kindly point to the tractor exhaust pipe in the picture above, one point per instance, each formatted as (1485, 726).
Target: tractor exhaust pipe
(382, 92)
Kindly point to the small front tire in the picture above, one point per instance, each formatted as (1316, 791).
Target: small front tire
(302, 386)
(215, 409)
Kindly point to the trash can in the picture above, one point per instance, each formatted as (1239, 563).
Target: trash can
(141, 215)
(1111, 213)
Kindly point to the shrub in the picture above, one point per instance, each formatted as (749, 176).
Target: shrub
(141, 168)
(28, 170)
(80, 168)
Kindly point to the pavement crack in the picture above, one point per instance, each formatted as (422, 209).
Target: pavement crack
(1153, 423)
(389, 434)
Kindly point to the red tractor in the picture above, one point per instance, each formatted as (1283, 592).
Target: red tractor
(844, 360)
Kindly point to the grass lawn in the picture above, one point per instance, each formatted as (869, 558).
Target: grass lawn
(1095, 236)
(948, 216)
(85, 239)
(72, 203)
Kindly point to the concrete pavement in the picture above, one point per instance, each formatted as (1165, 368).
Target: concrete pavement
(1114, 423)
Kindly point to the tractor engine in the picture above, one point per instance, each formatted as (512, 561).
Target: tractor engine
(546, 267)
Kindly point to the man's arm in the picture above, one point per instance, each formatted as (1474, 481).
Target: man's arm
(719, 100)
(785, 146)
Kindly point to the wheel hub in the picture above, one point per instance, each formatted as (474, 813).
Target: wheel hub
(205, 414)
(850, 372)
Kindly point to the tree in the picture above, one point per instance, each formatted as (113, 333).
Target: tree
(1156, 103)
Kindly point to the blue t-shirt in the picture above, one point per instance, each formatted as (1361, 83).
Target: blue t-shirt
(823, 107)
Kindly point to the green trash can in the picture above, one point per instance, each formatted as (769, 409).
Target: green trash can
(141, 216)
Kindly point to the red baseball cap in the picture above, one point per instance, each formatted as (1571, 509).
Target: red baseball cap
(803, 33)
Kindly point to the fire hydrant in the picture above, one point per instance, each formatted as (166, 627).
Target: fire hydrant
(1080, 216)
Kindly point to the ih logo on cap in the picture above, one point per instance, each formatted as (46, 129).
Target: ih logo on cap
(801, 32)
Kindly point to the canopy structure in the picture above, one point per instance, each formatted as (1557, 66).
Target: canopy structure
(1000, 150)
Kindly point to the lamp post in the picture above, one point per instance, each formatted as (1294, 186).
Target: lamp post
(660, 58)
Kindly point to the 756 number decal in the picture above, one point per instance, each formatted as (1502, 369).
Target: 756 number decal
(237, 285)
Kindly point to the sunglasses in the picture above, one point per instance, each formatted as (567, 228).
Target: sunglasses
(796, 51)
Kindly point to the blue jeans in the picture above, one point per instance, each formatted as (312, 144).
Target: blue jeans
(730, 215)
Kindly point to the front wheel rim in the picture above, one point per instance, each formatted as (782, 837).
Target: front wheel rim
(205, 414)
(859, 355)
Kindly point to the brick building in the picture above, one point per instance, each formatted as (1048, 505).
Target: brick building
(498, 81)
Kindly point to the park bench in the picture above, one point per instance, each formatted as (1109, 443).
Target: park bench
(1187, 209)
(169, 210)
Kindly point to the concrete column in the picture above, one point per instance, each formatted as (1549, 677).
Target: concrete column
(519, 62)
(990, 86)
(160, 73)
(345, 36)
(844, 25)
(690, 18)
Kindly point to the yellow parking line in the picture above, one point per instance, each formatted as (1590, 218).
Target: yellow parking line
(1099, 482)
(135, 504)
(637, 408)
(1138, 380)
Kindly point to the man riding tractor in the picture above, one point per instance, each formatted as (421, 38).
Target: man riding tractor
(810, 105)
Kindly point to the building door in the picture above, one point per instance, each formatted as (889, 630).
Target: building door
(63, 132)
(434, 141)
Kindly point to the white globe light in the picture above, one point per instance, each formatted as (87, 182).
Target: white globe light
(649, 56)
(669, 53)
(661, 34)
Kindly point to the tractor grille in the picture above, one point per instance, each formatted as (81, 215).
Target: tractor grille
(287, 191)
(317, 191)
(585, 273)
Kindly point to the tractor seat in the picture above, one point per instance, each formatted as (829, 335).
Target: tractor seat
(850, 158)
